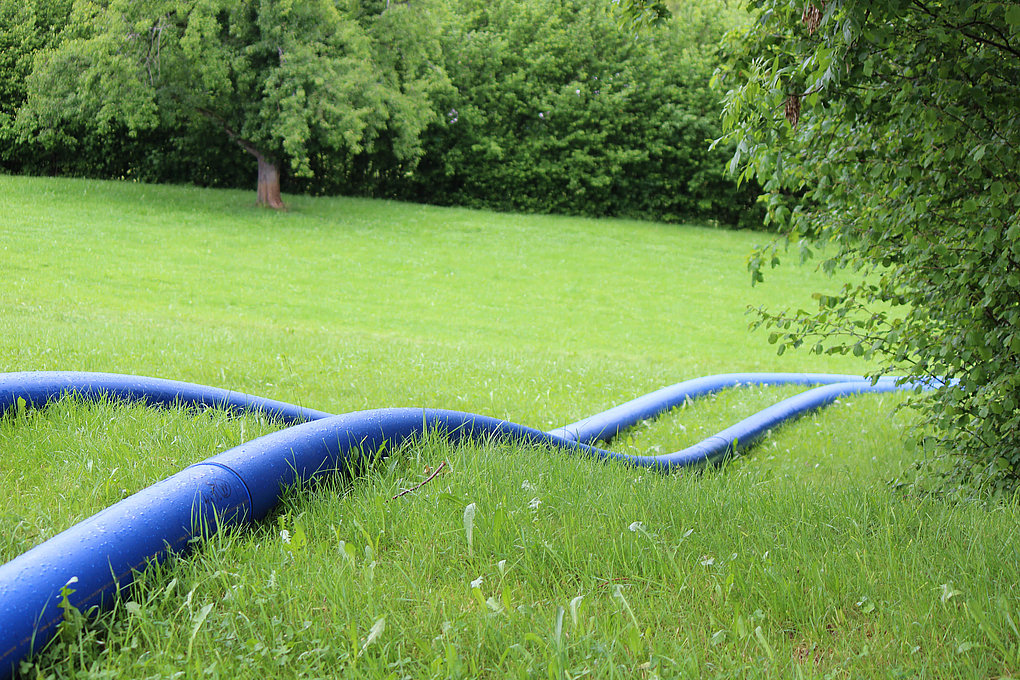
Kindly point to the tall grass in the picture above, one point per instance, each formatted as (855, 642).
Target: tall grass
(797, 560)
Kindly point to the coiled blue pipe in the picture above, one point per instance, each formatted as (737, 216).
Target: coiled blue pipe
(242, 485)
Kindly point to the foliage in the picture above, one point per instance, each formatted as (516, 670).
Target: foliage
(194, 151)
(627, 113)
(26, 27)
(889, 131)
(283, 80)
(560, 108)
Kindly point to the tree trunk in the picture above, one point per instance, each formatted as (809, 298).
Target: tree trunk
(269, 184)
(268, 191)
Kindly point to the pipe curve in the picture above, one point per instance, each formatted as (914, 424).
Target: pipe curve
(242, 485)
(39, 388)
(602, 427)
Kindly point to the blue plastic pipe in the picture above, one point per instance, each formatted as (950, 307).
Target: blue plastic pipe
(603, 427)
(242, 485)
(39, 388)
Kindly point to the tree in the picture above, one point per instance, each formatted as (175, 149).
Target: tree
(26, 26)
(888, 132)
(284, 80)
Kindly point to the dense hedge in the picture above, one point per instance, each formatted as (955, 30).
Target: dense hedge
(26, 27)
(559, 109)
(193, 153)
(554, 107)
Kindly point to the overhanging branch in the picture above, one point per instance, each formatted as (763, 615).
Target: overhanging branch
(240, 141)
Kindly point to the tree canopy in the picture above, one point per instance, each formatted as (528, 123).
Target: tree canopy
(888, 132)
(284, 80)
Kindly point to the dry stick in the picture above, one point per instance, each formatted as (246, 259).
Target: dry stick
(427, 480)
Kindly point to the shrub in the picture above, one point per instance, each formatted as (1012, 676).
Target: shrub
(890, 131)
(559, 108)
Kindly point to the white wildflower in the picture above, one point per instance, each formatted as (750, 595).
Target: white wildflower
(469, 526)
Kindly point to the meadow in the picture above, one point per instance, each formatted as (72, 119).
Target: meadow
(802, 558)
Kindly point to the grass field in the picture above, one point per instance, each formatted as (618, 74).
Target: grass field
(797, 560)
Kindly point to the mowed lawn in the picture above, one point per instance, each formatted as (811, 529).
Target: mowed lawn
(797, 560)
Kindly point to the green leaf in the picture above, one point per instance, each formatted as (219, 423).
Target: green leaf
(197, 622)
(1013, 18)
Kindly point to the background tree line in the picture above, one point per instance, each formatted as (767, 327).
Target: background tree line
(529, 105)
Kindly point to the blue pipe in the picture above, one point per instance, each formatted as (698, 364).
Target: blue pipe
(603, 427)
(39, 388)
(242, 485)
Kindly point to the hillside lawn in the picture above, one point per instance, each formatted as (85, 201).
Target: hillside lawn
(799, 559)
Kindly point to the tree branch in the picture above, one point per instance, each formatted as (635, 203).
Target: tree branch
(240, 141)
(427, 480)
(1005, 47)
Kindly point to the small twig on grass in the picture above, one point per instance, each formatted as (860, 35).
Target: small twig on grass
(427, 480)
